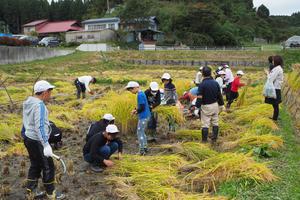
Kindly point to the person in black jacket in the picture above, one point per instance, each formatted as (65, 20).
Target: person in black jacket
(154, 100)
(209, 99)
(100, 126)
(101, 146)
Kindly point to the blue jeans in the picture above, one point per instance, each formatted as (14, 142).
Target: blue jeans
(105, 151)
(142, 138)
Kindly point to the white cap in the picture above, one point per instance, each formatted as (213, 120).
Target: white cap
(200, 68)
(154, 86)
(221, 72)
(108, 117)
(42, 86)
(112, 129)
(166, 76)
(240, 72)
(226, 66)
(132, 84)
(220, 67)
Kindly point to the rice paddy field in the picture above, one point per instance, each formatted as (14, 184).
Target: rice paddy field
(254, 158)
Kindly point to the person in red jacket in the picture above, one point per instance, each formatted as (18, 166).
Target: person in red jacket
(236, 84)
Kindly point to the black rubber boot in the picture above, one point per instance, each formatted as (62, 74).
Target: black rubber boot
(204, 134)
(215, 133)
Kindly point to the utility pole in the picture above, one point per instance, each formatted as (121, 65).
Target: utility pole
(108, 9)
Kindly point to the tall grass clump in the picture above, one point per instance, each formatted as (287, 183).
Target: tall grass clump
(183, 85)
(206, 175)
(119, 105)
(170, 112)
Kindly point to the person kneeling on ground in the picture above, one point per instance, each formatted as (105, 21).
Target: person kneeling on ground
(101, 146)
(36, 140)
(99, 126)
(143, 112)
(209, 99)
(154, 100)
(236, 84)
(82, 84)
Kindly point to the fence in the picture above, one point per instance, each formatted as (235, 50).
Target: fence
(13, 55)
(224, 48)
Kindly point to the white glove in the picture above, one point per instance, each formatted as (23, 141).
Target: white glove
(48, 150)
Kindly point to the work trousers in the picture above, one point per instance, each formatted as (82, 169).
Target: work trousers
(80, 89)
(39, 164)
(210, 115)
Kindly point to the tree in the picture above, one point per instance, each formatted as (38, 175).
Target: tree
(263, 11)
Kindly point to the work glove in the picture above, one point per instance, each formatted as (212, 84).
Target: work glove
(48, 150)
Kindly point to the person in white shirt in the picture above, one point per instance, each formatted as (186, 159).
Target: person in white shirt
(82, 84)
(276, 77)
(220, 80)
(228, 80)
(198, 78)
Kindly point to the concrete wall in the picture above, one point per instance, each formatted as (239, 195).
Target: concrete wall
(90, 36)
(12, 55)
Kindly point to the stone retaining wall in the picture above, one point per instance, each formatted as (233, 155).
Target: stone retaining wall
(13, 55)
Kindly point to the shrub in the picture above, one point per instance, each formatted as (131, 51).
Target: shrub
(8, 41)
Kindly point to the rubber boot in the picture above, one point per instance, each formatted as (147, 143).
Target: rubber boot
(215, 134)
(204, 134)
(83, 95)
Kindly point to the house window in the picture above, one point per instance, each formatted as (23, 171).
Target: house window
(96, 27)
(90, 37)
(79, 37)
(111, 26)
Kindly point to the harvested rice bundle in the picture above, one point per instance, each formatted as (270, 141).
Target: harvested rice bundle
(249, 114)
(275, 142)
(151, 177)
(186, 134)
(172, 112)
(205, 175)
(265, 123)
(191, 150)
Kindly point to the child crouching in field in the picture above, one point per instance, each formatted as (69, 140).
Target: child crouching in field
(143, 112)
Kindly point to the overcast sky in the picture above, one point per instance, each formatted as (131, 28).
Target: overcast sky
(280, 7)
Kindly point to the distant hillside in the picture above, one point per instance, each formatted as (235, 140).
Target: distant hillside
(191, 22)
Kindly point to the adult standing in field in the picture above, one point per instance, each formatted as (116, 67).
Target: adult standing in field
(154, 100)
(198, 78)
(36, 140)
(101, 146)
(170, 95)
(236, 84)
(82, 84)
(275, 76)
(143, 112)
(209, 99)
(228, 81)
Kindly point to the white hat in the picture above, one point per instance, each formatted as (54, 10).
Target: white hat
(166, 76)
(108, 117)
(240, 72)
(154, 86)
(42, 86)
(226, 66)
(200, 68)
(221, 72)
(220, 67)
(132, 84)
(112, 129)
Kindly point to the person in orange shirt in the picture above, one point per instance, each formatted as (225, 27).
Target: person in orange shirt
(236, 84)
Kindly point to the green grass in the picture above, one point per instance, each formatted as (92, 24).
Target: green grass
(286, 166)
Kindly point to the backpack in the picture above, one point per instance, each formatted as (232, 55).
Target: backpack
(55, 134)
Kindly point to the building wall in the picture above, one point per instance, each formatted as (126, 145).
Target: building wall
(28, 30)
(90, 36)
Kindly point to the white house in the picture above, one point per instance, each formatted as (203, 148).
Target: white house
(101, 24)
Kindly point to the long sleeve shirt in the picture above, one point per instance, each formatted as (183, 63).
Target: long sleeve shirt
(198, 78)
(95, 143)
(170, 93)
(220, 81)
(86, 81)
(236, 84)
(276, 77)
(153, 100)
(210, 92)
(228, 76)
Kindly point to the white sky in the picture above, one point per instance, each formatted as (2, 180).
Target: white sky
(279, 7)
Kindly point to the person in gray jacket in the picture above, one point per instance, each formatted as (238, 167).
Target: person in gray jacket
(37, 131)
